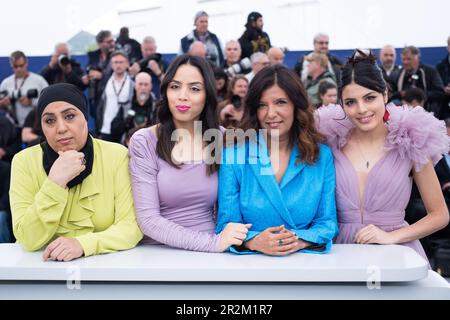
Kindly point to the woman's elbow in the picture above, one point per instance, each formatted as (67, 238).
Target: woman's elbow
(445, 218)
(442, 219)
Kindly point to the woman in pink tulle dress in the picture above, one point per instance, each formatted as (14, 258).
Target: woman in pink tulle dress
(378, 150)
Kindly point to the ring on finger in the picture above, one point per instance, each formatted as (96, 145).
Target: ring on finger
(280, 243)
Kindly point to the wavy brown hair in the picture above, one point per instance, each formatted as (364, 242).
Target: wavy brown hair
(303, 132)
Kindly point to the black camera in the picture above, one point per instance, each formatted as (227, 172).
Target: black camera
(143, 63)
(137, 118)
(236, 101)
(3, 94)
(17, 94)
(93, 68)
(64, 60)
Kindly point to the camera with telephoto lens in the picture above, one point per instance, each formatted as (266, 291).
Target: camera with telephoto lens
(63, 60)
(239, 67)
(17, 94)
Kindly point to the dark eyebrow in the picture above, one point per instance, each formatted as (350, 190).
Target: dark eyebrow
(64, 111)
(368, 94)
(364, 96)
(190, 83)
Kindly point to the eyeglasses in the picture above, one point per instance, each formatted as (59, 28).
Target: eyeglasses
(322, 42)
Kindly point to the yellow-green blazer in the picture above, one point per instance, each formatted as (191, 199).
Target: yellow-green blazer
(99, 212)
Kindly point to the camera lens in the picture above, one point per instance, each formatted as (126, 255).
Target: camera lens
(236, 101)
(64, 60)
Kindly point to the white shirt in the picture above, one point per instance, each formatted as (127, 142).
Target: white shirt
(33, 81)
(113, 99)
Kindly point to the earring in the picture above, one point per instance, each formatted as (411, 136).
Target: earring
(386, 115)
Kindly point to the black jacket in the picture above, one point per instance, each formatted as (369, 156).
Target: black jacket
(443, 69)
(9, 138)
(427, 79)
(131, 47)
(97, 87)
(254, 40)
(5, 173)
(56, 75)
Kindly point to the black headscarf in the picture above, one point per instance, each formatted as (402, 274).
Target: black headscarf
(71, 94)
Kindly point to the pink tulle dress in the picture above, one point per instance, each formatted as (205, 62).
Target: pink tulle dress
(414, 138)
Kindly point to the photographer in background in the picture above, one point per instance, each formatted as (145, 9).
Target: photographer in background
(142, 112)
(231, 109)
(99, 69)
(259, 61)
(233, 64)
(19, 92)
(201, 33)
(152, 63)
(414, 74)
(116, 100)
(62, 68)
(254, 39)
(128, 45)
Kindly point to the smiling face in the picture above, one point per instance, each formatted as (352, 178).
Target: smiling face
(186, 95)
(276, 112)
(364, 107)
(240, 88)
(64, 126)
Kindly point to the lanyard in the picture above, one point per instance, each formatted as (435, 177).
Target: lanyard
(120, 89)
(21, 85)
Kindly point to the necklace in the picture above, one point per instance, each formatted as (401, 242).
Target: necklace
(362, 154)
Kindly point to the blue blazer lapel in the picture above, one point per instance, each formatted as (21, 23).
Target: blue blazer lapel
(259, 162)
(293, 169)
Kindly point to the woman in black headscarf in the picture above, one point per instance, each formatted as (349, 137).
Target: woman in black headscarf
(71, 193)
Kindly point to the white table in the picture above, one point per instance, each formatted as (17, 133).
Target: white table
(159, 272)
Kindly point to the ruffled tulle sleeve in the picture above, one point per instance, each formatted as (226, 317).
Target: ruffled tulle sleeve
(417, 135)
(332, 122)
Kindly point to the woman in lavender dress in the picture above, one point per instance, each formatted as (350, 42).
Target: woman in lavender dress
(174, 184)
(378, 150)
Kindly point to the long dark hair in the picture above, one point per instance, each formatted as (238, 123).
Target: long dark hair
(303, 132)
(362, 69)
(208, 117)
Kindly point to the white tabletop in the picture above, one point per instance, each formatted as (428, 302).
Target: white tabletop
(432, 287)
(345, 263)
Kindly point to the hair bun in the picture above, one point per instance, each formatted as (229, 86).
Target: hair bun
(361, 55)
